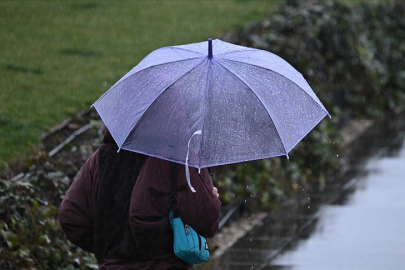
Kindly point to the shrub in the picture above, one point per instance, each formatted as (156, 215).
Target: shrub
(353, 59)
(31, 236)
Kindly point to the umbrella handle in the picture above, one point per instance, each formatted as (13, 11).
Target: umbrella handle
(198, 132)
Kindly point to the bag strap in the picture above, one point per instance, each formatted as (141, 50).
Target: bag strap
(173, 185)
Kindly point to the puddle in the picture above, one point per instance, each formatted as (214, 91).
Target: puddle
(366, 232)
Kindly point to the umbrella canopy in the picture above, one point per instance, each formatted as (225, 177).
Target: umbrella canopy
(210, 103)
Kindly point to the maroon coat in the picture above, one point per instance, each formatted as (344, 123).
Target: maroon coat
(149, 206)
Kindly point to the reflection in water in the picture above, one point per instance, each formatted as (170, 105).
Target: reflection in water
(366, 233)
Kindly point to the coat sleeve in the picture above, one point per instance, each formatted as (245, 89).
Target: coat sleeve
(151, 195)
(77, 210)
(199, 209)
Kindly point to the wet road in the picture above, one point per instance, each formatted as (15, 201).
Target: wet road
(368, 232)
(358, 224)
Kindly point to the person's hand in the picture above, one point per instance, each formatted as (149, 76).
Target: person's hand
(215, 192)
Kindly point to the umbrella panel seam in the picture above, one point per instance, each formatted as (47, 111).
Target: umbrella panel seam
(259, 101)
(133, 130)
(318, 102)
(208, 83)
(143, 69)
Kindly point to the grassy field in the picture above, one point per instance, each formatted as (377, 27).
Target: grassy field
(58, 57)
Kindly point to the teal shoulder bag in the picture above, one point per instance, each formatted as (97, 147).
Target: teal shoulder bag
(188, 244)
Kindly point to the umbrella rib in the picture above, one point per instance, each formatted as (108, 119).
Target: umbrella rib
(261, 102)
(163, 90)
(165, 63)
(273, 122)
(180, 48)
(238, 51)
(207, 87)
(318, 103)
(244, 63)
(145, 68)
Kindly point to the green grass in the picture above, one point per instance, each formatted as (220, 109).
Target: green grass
(58, 57)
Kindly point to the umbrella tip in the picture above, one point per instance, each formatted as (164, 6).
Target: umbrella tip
(209, 48)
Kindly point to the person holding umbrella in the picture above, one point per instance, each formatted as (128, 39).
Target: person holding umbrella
(117, 208)
(197, 105)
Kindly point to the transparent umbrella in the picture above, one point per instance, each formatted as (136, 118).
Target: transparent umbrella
(210, 103)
